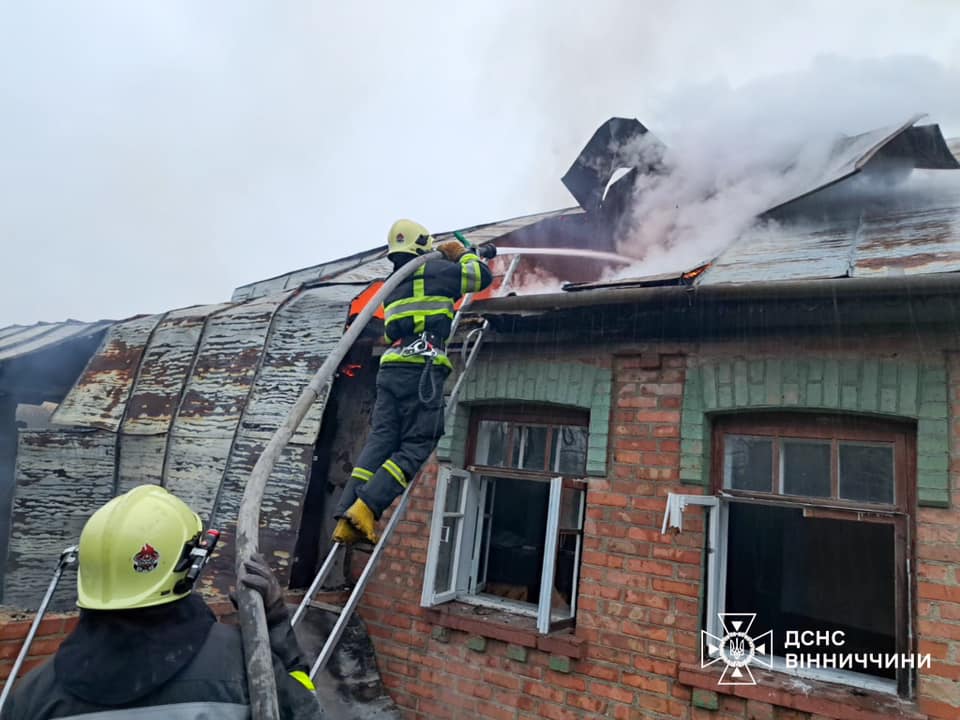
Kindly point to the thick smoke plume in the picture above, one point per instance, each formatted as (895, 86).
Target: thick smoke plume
(734, 153)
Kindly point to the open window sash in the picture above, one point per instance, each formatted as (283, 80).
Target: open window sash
(716, 560)
(455, 508)
(565, 514)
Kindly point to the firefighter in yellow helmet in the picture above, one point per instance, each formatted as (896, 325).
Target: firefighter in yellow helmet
(407, 417)
(145, 643)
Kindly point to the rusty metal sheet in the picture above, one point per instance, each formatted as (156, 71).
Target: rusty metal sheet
(99, 398)
(62, 477)
(772, 252)
(164, 370)
(214, 399)
(140, 461)
(226, 365)
(909, 243)
(304, 332)
(281, 509)
(194, 470)
(18, 340)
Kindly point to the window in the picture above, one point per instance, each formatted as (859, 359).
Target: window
(812, 531)
(507, 531)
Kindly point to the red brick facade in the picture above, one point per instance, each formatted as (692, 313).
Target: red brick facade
(635, 650)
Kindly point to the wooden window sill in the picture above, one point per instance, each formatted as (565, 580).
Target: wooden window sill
(506, 627)
(827, 699)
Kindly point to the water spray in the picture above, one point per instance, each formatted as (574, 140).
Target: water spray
(568, 252)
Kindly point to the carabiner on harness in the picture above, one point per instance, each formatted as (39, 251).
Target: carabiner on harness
(421, 346)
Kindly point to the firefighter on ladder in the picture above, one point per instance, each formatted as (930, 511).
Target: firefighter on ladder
(407, 417)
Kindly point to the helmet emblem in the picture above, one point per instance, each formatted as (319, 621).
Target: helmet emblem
(399, 237)
(146, 560)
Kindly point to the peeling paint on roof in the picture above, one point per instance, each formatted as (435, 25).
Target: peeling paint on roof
(188, 400)
(99, 398)
(879, 242)
(61, 478)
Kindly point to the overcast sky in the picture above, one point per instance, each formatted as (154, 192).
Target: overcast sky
(155, 155)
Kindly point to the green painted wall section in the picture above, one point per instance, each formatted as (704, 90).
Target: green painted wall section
(888, 387)
(558, 383)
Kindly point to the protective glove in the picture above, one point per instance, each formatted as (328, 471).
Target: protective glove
(452, 250)
(258, 576)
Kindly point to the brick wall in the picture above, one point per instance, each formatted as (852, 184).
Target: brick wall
(640, 599)
(52, 631)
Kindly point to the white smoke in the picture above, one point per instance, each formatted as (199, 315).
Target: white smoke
(734, 153)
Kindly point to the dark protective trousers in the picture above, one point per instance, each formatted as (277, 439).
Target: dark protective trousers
(404, 432)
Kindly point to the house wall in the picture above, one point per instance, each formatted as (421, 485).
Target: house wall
(635, 650)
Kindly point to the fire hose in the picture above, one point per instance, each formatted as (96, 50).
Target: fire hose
(253, 622)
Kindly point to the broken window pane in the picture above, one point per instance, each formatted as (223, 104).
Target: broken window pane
(748, 463)
(810, 574)
(572, 442)
(806, 468)
(534, 448)
(866, 472)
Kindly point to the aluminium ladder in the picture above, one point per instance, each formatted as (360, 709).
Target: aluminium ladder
(469, 349)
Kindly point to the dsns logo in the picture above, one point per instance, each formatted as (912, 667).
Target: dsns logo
(737, 649)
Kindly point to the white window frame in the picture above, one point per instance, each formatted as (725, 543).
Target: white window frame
(465, 567)
(716, 591)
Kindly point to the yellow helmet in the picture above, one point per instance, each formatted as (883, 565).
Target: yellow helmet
(408, 237)
(135, 551)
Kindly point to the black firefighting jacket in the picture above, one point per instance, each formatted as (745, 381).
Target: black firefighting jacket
(424, 302)
(172, 662)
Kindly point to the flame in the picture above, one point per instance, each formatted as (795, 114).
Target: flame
(350, 370)
(696, 272)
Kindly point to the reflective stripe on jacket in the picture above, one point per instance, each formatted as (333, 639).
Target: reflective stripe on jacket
(424, 302)
(175, 711)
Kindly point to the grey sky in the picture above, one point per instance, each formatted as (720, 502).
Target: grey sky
(156, 155)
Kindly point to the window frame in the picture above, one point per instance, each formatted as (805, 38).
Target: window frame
(475, 478)
(901, 514)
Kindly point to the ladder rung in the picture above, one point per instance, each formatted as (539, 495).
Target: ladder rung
(329, 607)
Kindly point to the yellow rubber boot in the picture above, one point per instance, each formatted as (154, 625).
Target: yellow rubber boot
(345, 533)
(361, 517)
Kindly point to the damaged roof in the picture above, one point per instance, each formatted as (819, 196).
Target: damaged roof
(187, 399)
(372, 264)
(19, 340)
(831, 229)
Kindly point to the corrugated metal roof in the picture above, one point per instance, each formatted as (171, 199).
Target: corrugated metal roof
(912, 231)
(880, 241)
(372, 264)
(17, 340)
(188, 399)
